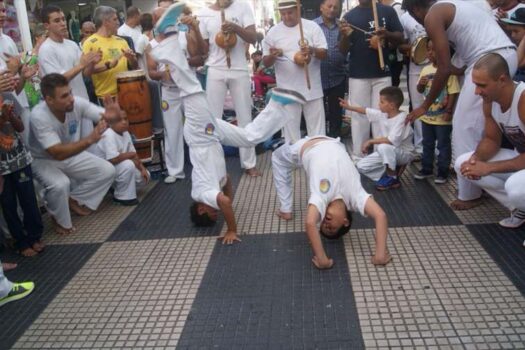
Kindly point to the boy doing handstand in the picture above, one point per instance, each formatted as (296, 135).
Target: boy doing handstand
(211, 189)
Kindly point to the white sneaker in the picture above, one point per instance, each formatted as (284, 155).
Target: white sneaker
(170, 179)
(516, 219)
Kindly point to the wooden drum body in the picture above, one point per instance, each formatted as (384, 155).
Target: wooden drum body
(134, 98)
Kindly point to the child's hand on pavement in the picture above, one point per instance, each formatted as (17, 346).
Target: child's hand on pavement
(323, 264)
(229, 238)
(381, 260)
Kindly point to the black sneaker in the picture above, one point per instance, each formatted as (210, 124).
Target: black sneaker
(18, 291)
(126, 202)
(422, 174)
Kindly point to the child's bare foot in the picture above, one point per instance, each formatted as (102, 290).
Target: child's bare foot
(78, 209)
(458, 204)
(28, 252)
(38, 246)
(381, 261)
(62, 230)
(322, 264)
(9, 266)
(284, 216)
(253, 172)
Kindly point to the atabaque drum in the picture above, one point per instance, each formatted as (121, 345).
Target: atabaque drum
(418, 52)
(134, 98)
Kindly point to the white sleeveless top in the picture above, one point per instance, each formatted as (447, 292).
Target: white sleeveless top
(474, 32)
(509, 121)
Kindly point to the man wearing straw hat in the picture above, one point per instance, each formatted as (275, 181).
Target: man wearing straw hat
(282, 48)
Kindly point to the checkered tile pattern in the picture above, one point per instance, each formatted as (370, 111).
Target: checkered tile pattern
(146, 278)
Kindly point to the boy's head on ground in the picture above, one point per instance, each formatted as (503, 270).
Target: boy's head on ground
(390, 99)
(119, 123)
(202, 215)
(337, 220)
(430, 52)
(491, 77)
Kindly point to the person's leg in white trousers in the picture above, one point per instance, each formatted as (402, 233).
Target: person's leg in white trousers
(84, 177)
(374, 165)
(173, 132)
(238, 82)
(126, 181)
(416, 100)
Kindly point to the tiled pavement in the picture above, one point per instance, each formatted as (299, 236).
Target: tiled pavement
(145, 278)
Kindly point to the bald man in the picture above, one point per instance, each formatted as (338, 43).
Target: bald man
(499, 171)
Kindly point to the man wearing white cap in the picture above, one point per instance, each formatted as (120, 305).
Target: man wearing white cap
(280, 47)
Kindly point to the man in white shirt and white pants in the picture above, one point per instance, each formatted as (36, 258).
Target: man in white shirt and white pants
(71, 177)
(230, 74)
(279, 48)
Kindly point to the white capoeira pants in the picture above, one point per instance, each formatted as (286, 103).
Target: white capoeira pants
(364, 93)
(173, 131)
(468, 123)
(218, 82)
(314, 117)
(374, 165)
(416, 99)
(284, 160)
(127, 179)
(268, 122)
(84, 177)
(506, 188)
(5, 284)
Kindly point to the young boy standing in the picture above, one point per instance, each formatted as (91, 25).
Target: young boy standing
(394, 148)
(437, 121)
(15, 169)
(116, 147)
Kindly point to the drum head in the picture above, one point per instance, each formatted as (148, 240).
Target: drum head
(139, 73)
(419, 51)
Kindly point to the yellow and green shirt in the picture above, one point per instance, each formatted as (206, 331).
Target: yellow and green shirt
(105, 83)
(435, 113)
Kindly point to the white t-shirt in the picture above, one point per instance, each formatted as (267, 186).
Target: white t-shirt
(56, 57)
(208, 176)
(133, 33)
(142, 44)
(8, 45)
(332, 175)
(169, 52)
(111, 145)
(288, 74)
(46, 130)
(240, 13)
(394, 129)
(412, 30)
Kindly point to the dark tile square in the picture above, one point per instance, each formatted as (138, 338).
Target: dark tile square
(50, 271)
(266, 291)
(415, 203)
(505, 246)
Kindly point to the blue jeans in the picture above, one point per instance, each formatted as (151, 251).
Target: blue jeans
(19, 185)
(441, 134)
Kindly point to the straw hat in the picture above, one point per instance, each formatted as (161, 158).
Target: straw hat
(286, 4)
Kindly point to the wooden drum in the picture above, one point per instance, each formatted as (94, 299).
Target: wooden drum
(134, 98)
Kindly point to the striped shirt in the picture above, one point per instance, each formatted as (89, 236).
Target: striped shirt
(333, 67)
